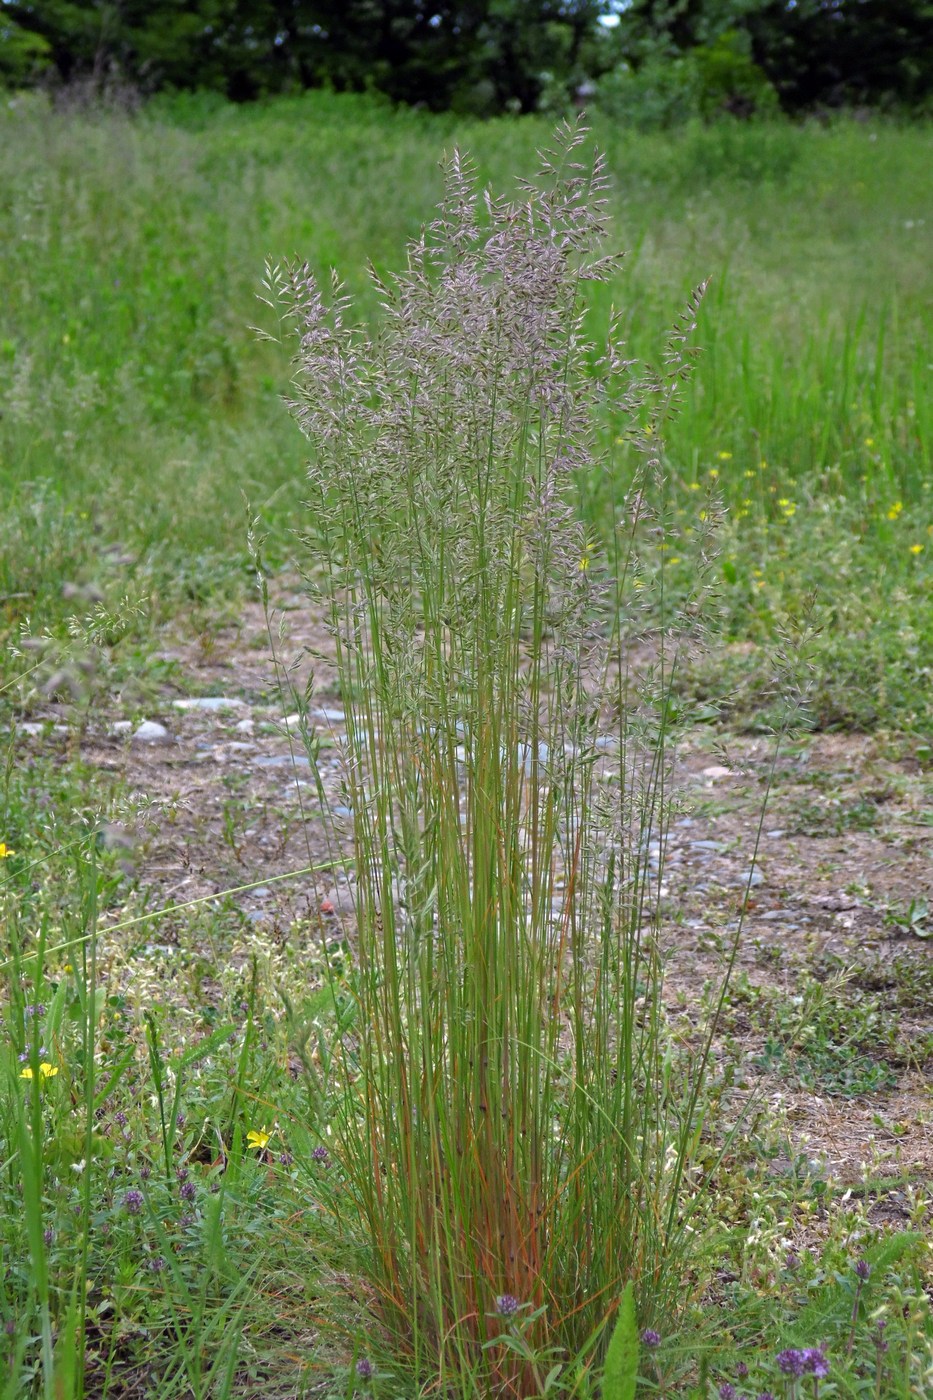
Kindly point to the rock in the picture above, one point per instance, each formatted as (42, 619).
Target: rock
(121, 726)
(329, 716)
(776, 834)
(210, 702)
(707, 846)
(151, 732)
(244, 726)
(750, 877)
(282, 760)
(716, 770)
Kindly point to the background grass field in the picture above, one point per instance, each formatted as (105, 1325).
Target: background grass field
(138, 408)
(174, 1211)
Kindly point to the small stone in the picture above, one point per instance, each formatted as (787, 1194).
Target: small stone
(121, 726)
(209, 702)
(716, 770)
(282, 760)
(706, 846)
(750, 877)
(776, 834)
(151, 732)
(244, 726)
(329, 716)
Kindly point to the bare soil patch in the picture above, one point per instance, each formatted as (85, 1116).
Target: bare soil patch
(830, 1013)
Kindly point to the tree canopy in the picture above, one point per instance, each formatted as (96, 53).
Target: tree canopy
(480, 56)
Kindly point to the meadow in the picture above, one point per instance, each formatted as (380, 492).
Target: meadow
(190, 1206)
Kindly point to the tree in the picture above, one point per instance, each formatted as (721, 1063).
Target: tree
(482, 55)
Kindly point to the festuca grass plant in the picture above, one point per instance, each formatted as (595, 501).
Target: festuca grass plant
(512, 1123)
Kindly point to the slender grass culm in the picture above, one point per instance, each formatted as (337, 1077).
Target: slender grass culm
(512, 1122)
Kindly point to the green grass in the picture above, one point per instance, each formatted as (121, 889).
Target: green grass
(188, 1203)
(138, 409)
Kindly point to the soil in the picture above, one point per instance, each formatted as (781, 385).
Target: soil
(844, 851)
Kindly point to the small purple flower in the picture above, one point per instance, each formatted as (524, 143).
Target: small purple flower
(145, 1171)
(862, 1270)
(650, 1338)
(285, 1159)
(185, 1220)
(364, 1368)
(816, 1362)
(188, 1191)
(9, 1327)
(180, 1122)
(320, 1154)
(727, 1391)
(766, 1395)
(157, 1264)
(133, 1202)
(791, 1362)
(182, 1173)
(507, 1305)
(741, 1370)
(792, 1262)
(48, 1236)
(120, 1119)
(37, 1010)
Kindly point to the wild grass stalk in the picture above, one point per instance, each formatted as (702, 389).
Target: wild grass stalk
(513, 1121)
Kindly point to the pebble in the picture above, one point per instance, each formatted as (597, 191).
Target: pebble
(707, 846)
(716, 770)
(750, 877)
(776, 834)
(121, 726)
(151, 732)
(210, 702)
(244, 726)
(282, 760)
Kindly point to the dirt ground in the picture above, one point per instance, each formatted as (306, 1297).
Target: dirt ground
(834, 908)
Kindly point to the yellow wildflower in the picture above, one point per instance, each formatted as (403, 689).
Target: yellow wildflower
(6, 851)
(694, 486)
(895, 510)
(725, 456)
(46, 1071)
(916, 549)
(714, 472)
(869, 442)
(257, 1139)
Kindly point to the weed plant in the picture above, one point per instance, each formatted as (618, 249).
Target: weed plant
(513, 1123)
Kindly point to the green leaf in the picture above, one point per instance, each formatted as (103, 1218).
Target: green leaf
(621, 1370)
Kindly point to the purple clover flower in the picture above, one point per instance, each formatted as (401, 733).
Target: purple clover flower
(791, 1362)
(188, 1191)
(320, 1154)
(816, 1362)
(507, 1305)
(133, 1202)
(741, 1370)
(364, 1368)
(862, 1270)
(727, 1391)
(650, 1338)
